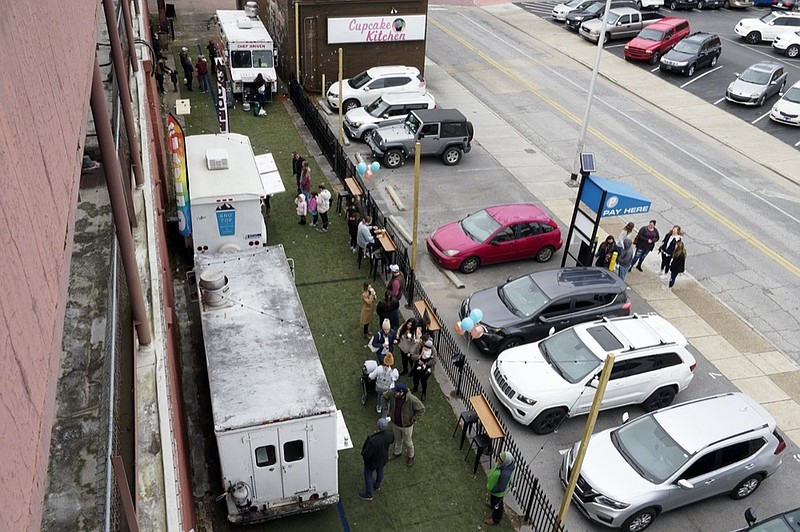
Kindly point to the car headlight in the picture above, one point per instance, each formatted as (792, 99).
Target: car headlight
(627, 47)
(525, 400)
(649, 52)
(358, 123)
(755, 95)
(594, 33)
(681, 63)
(450, 252)
(611, 503)
(493, 330)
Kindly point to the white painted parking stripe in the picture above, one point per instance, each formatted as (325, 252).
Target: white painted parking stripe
(655, 69)
(796, 144)
(704, 74)
(720, 100)
(760, 117)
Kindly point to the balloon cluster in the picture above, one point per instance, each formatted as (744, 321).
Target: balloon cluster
(367, 171)
(471, 324)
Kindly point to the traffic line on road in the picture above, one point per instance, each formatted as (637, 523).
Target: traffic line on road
(721, 219)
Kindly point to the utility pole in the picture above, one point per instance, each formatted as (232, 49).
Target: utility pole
(587, 433)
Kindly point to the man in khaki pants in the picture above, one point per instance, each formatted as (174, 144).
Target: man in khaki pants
(405, 410)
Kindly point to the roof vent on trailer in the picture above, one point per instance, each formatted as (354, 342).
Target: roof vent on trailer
(251, 9)
(217, 159)
(214, 288)
(244, 23)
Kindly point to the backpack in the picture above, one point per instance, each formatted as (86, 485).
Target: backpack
(384, 380)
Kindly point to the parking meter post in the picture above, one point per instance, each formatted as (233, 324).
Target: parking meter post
(587, 433)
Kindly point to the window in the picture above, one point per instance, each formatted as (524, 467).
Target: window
(794, 21)
(262, 59)
(505, 235)
(637, 366)
(586, 301)
(265, 456)
(529, 229)
(625, 19)
(293, 451)
(702, 466)
(397, 82)
(740, 451)
(454, 129)
(429, 130)
(604, 338)
(557, 308)
(377, 84)
(667, 360)
(241, 59)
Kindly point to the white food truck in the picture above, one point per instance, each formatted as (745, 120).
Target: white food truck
(247, 49)
(227, 184)
(277, 428)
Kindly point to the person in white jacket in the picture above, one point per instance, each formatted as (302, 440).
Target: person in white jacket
(323, 206)
(384, 376)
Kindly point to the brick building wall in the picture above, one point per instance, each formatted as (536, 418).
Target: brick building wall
(47, 61)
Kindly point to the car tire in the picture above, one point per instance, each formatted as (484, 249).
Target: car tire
(349, 105)
(690, 72)
(659, 399)
(714, 61)
(726, 4)
(673, 5)
(640, 520)
(545, 254)
(393, 158)
(701, 5)
(656, 57)
(469, 265)
(514, 341)
(549, 420)
(753, 37)
(366, 135)
(605, 39)
(451, 156)
(793, 51)
(761, 100)
(746, 487)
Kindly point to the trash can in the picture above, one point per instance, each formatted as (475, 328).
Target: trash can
(256, 108)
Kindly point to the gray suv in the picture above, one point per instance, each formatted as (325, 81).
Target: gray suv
(673, 457)
(443, 132)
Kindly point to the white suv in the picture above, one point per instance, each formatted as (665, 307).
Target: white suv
(766, 28)
(544, 382)
(367, 86)
(787, 43)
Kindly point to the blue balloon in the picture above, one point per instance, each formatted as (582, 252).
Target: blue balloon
(476, 315)
(361, 168)
(375, 167)
(467, 324)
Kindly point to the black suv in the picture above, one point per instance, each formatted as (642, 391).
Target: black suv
(525, 309)
(443, 132)
(579, 16)
(695, 51)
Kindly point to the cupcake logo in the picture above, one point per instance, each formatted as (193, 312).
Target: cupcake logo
(398, 24)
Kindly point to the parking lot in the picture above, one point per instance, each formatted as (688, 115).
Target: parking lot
(710, 84)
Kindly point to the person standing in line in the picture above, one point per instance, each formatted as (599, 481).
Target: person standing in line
(352, 227)
(312, 209)
(397, 283)
(160, 70)
(604, 252)
(383, 341)
(497, 483)
(260, 86)
(302, 208)
(645, 242)
(625, 259)
(202, 74)
(625, 233)
(367, 307)
(297, 169)
(389, 308)
(173, 77)
(405, 410)
(408, 337)
(667, 247)
(188, 70)
(212, 54)
(375, 453)
(324, 205)
(384, 376)
(364, 237)
(423, 360)
(305, 180)
(677, 265)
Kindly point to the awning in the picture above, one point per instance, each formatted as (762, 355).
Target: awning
(270, 177)
(621, 199)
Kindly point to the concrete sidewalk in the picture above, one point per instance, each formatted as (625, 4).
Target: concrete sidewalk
(738, 352)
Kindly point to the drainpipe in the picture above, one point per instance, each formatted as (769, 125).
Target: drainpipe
(108, 155)
(126, 16)
(121, 73)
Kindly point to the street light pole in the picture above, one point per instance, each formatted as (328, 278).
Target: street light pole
(576, 165)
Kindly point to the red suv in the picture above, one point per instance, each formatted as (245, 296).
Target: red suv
(657, 39)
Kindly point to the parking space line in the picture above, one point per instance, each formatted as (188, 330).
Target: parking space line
(707, 72)
(760, 117)
(655, 70)
(796, 144)
(720, 100)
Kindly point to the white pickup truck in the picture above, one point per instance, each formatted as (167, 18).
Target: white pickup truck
(623, 23)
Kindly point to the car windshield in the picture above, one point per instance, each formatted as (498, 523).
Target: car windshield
(377, 108)
(612, 19)
(262, 59)
(769, 17)
(360, 80)
(649, 34)
(574, 3)
(522, 296)
(649, 450)
(792, 95)
(241, 59)
(687, 47)
(571, 357)
(479, 226)
(756, 77)
(413, 123)
(595, 8)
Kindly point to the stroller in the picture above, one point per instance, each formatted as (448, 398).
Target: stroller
(367, 384)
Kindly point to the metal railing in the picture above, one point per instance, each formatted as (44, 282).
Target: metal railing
(536, 507)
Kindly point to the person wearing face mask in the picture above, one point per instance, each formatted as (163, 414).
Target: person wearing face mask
(423, 360)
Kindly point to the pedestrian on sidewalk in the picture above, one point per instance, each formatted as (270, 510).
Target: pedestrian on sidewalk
(667, 247)
(202, 74)
(384, 376)
(405, 410)
(297, 169)
(324, 205)
(645, 242)
(312, 209)
(302, 208)
(423, 359)
(375, 453)
(677, 265)
(368, 298)
(497, 483)
(625, 259)
(409, 335)
(604, 252)
(625, 233)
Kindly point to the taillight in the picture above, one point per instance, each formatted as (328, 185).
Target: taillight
(781, 444)
(691, 368)
(627, 305)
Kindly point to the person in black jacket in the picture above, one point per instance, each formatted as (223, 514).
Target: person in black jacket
(678, 264)
(667, 247)
(375, 453)
(297, 169)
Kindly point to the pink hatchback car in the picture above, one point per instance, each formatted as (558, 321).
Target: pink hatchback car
(496, 234)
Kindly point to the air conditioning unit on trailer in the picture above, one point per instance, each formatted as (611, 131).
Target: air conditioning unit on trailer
(217, 159)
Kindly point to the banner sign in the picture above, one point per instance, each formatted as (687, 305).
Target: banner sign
(222, 96)
(177, 151)
(376, 29)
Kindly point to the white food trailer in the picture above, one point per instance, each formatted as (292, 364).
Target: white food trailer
(227, 184)
(277, 428)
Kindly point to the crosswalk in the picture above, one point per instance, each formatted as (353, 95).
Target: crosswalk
(543, 9)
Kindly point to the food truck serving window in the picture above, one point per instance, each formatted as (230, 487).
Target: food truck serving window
(241, 59)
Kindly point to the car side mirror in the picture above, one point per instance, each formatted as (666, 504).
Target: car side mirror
(736, 74)
(366, 89)
(685, 484)
(510, 278)
(385, 115)
(551, 332)
(750, 516)
(594, 383)
(625, 417)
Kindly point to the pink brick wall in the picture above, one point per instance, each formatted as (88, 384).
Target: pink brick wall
(46, 63)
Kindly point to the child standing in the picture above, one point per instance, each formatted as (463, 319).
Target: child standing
(312, 209)
(302, 208)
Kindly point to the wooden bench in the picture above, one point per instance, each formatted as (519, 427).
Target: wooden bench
(491, 425)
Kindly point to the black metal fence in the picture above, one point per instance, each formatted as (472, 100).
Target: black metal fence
(536, 507)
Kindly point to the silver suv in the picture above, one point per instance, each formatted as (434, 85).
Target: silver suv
(389, 108)
(673, 457)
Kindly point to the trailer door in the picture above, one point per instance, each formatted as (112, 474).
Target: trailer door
(266, 467)
(294, 459)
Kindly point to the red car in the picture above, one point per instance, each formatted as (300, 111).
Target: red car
(496, 234)
(657, 39)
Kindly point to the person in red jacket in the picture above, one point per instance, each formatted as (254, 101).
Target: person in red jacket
(202, 74)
